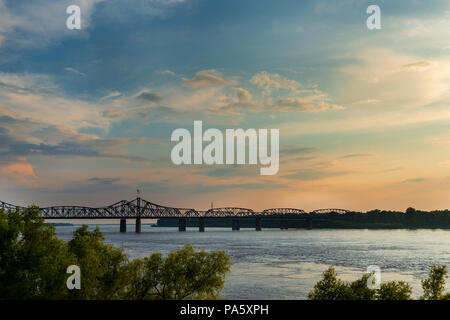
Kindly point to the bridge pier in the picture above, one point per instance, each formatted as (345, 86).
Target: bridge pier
(258, 226)
(235, 225)
(284, 224)
(309, 224)
(138, 225)
(123, 225)
(201, 224)
(181, 224)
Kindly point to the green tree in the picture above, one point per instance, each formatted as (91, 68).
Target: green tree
(33, 260)
(394, 290)
(360, 290)
(101, 265)
(433, 286)
(330, 288)
(183, 274)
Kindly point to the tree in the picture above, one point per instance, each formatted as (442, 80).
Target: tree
(183, 274)
(394, 290)
(433, 286)
(101, 265)
(33, 260)
(360, 290)
(330, 288)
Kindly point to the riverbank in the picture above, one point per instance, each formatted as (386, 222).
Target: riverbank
(352, 220)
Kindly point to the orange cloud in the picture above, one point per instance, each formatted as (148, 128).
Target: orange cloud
(22, 170)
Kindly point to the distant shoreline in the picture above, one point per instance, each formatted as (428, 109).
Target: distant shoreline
(374, 220)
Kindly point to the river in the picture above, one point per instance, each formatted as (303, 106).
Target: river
(285, 264)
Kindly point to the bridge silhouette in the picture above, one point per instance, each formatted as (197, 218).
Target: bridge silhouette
(142, 209)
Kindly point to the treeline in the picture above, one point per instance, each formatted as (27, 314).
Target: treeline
(383, 219)
(34, 261)
(330, 287)
(374, 219)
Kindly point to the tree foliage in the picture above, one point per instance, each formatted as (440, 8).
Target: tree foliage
(183, 274)
(394, 290)
(33, 260)
(330, 287)
(33, 264)
(434, 285)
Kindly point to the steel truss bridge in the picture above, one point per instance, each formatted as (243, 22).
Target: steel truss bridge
(142, 209)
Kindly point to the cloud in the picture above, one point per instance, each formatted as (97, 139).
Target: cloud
(242, 94)
(15, 141)
(37, 97)
(391, 169)
(150, 96)
(303, 104)
(273, 81)
(315, 174)
(416, 66)
(21, 169)
(111, 95)
(225, 171)
(384, 75)
(150, 8)
(72, 70)
(367, 101)
(104, 180)
(415, 180)
(37, 24)
(208, 78)
(308, 104)
(93, 186)
(356, 155)
(445, 163)
(373, 121)
(26, 83)
(168, 72)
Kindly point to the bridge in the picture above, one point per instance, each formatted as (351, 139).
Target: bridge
(142, 209)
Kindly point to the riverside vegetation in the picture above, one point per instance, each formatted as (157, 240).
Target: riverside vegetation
(333, 288)
(374, 219)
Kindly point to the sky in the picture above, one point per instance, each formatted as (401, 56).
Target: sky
(86, 115)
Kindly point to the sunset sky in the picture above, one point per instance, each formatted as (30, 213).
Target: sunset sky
(364, 115)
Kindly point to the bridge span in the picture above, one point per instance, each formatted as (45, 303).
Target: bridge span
(142, 209)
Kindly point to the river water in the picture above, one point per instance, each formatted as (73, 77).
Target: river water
(285, 264)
